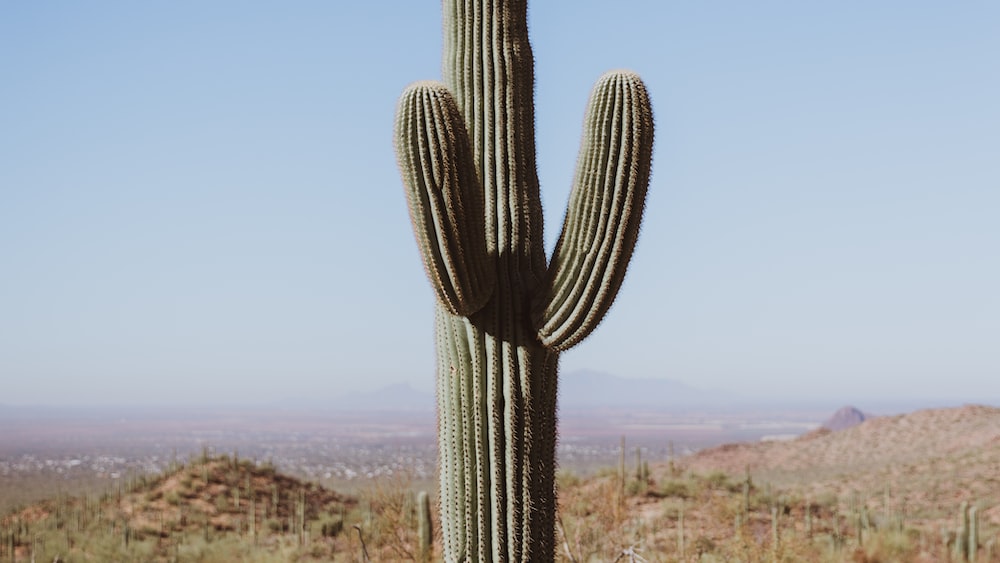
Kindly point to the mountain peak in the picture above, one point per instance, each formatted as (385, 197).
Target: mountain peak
(844, 418)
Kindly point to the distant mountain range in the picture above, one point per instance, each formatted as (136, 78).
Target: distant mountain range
(590, 389)
(579, 390)
(398, 397)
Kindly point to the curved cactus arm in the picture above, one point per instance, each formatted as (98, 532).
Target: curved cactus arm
(445, 197)
(605, 211)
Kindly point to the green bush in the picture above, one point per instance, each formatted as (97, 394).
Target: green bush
(717, 481)
(675, 488)
(330, 526)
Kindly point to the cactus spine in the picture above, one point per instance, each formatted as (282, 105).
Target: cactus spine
(467, 156)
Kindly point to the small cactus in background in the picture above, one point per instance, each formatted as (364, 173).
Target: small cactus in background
(973, 519)
(775, 533)
(622, 477)
(504, 313)
(425, 532)
(859, 528)
(252, 518)
(747, 486)
(671, 466)
(680, 533)
(300, 516)
(962, 536)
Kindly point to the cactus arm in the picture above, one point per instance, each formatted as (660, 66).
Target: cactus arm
(444, 196)
(605, 210)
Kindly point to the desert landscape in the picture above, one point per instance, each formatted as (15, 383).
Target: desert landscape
(477, 282)
(920, 486)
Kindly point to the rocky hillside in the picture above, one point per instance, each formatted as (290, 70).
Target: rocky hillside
(929, 461)
(220, 507)
(878, 442)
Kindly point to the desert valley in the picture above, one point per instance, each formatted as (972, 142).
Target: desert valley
(277, 485)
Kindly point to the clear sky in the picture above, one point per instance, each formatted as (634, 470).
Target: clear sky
(199, 201)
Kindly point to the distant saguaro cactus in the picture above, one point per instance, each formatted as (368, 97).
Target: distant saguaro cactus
(466, 152)
(425, 532)
(973, 549)
(962, 536)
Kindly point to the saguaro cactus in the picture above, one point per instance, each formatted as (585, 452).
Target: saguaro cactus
(425, 531)
(466, 151)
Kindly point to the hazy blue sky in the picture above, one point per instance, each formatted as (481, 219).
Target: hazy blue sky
(199, 201)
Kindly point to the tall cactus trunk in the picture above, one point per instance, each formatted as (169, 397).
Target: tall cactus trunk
(497, 434)
(496, 383)
(467, 155)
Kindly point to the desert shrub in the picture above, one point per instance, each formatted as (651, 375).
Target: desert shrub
(389, 510)
(566, 478)
(716, 480)
(675, 488)
(633, 488)
(330, 526)
(827, 500)
(703, 545)
(319, 551)
(607, 472)
(267, 469)
(886, 546)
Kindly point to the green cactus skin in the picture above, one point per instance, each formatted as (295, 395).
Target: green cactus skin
(467, 157)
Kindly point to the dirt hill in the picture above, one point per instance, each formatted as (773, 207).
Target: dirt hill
(219, 507)
(928, 461)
